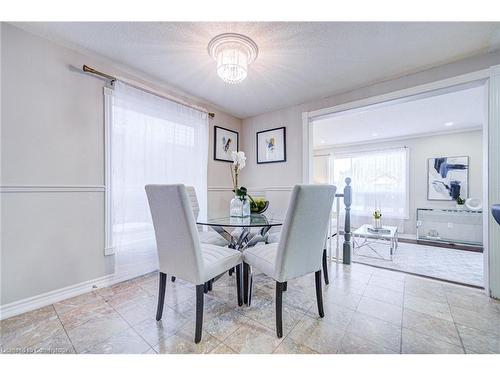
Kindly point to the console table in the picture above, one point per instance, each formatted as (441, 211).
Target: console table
(451, 226)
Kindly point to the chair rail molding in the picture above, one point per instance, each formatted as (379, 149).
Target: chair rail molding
(52, 188)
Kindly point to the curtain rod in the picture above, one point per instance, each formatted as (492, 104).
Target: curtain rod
(112, 79)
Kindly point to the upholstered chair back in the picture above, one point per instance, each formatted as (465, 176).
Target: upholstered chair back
(177, 238)
(191, 192)
(302, 240)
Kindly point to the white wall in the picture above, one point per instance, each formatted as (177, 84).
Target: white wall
(420, 149)
(52, 165)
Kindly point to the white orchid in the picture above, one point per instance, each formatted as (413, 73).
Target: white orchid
(239, 159)
(239, 162)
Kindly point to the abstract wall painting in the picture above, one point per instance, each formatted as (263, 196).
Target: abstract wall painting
(448, 178)
(271, 146)
(225, 142)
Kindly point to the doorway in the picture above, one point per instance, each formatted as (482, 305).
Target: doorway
(420, 161)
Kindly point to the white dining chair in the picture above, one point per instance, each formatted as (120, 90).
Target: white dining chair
(180, 251)
(300, 247)
(209, 237)
(275, 238)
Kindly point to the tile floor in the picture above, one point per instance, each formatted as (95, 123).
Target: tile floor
(447, 264)
(368, 310)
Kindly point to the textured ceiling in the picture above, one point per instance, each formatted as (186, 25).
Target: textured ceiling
(297, 62)
(453, 111)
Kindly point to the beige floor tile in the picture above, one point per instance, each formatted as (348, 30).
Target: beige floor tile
(138, 310)
(22, 320)
(476, 341)
(76, 316)
(55, 344)
(384, 282)
(265, 313)
(334, 314)
(379, 332)
(353, 344)
(253, 338)
(154, 332)
(288, 346)
(150, 351)
(473, 300)
(422, 305)
(223, 349)
(486, 320)
(126, 342)
(416, 343)
(318, 335)
(96, 331)
(431, 326)
(25, 330)
(221, 325)
(182, 342)
(346, 285)
(384, 295)
(341, 298)
(78, 302)
(381, 310)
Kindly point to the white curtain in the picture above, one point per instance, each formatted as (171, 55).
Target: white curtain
(379, 180)
(153, 141)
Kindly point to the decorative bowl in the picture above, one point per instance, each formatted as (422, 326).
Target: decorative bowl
(258, 208)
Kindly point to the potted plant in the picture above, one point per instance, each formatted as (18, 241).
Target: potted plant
(377, 219)
(460, 203)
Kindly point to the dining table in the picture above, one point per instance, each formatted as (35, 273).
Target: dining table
(241, 233)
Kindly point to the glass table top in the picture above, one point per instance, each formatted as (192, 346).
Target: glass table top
(254, 220)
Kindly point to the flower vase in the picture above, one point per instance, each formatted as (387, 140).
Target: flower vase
(377, 223)
(239, 207)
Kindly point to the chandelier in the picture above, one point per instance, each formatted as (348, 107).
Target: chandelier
(233, 53)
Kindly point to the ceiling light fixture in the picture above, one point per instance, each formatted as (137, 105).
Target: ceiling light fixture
(374, 134)
(233, 53)
(449, 123)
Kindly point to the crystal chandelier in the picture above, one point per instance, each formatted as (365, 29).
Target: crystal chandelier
(233, 53)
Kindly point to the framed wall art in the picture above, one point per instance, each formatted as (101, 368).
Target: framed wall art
(225, 142)
(271, 146)
(448, 178)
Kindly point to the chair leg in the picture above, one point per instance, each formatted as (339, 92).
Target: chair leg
(279, 308)
(200, 291)
(231, 272)
(161, 295)
(319, 293)
(250, 288)
(172, 279)
(238, 284)
(247, 284)
(205, 287)
(325, 267)
(285, 286)
(246, 269)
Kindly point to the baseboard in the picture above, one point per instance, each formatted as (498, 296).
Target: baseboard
(45, 299)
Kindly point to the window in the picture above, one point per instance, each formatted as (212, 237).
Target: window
(379, 178)
(153, 141)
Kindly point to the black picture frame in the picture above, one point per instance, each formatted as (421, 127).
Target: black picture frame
(259, 159)
(217, 144)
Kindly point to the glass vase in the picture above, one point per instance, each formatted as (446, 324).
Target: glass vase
(377, 223)
(239, 207)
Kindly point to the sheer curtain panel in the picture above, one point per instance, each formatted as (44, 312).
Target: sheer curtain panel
(153, 141)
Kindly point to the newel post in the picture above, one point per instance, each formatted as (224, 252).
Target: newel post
(347, 226)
